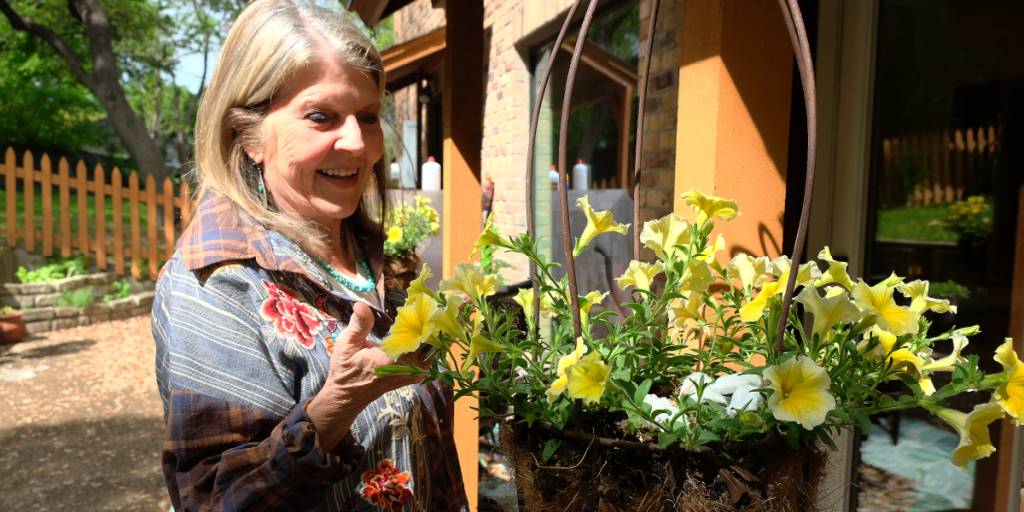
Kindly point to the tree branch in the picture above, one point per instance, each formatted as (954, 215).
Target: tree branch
(47, 34)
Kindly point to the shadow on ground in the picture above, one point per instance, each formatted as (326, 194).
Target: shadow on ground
(84, 466)
(57, 349)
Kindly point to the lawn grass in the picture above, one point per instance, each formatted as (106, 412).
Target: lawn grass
(913, 223)
(73, 214)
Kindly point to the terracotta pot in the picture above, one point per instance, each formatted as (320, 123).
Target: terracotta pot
(12, 326)
(402, 270)
(767, 476)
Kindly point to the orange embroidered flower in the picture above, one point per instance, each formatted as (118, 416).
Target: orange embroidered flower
(385, 486)
(292, 319)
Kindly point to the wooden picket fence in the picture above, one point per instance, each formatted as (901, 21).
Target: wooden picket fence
(105, 242)
(951, 162)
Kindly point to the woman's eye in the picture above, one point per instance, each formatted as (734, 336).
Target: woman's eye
(318, 117)
(370, 118)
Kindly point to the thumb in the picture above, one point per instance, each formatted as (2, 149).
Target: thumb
(353, 338)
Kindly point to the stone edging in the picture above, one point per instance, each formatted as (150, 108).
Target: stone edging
(54, 318)
(39, 295)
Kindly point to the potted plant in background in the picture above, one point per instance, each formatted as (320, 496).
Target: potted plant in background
(694, 402)
(406, 227)
(12, 324)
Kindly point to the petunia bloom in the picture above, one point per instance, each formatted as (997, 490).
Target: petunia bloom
(597, 223)
(749, 270)
(828, 311)
(753, 310)
(664, 234)
(697, 276)
(470, 279)
(807, 275)
(917, 292)
(479, 345)
(418, 286)
(594, 297)
(877, 301)
(685, 308)
(800, 392)
(836, 272)
(488, 237)
(394, 234)
(975, 442)
(658, 403)
(525, 300)
(640, 274)
(710, 206)
(413, 325)
(1010, 396)
(588, 378)
(447, 320)
(558, 386)
(691, 386)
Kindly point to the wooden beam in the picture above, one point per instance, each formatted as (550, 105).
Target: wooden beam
(463, 138)
(604, 62)
(424, 53)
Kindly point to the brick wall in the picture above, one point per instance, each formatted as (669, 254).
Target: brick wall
(412, 21)
(508, 108)
(658, 154)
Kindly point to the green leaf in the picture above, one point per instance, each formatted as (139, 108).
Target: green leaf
(911, 383)
(707, 436)
(863, 420)
(385, 371)
(641, 391)
(666, 438)
(551, 447)
(793, 435)
(448, 379)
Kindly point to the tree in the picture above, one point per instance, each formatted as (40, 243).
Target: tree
(99, 72)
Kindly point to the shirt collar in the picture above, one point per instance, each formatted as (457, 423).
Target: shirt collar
(218, 234)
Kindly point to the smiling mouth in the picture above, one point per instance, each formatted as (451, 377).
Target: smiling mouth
(338, 173)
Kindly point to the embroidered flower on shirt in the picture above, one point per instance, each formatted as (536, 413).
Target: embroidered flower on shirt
(292, 319)
(385, 486)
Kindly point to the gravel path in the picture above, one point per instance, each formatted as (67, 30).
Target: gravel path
(81, 424)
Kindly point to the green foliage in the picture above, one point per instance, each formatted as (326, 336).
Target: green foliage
(79, 298)
(492, 265)
(407, 226)
(971, 220)
(56, 267)
(6, 310)
(950, 288)
(913, 223)
(122, 290)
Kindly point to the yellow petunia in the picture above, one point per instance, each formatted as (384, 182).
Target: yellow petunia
(708, 254)
(801, 392)
(488, 237)
(470, 279)
(917, 292)
(413, 325)
(447, 320)
(558, 386)
(685, 308)
(394, 234)
(1010, 396)
(807, 275)
(525, 300)
(697, 276)
(590, 299)
(418, 286)
(749, 270)
(597, 223)
(479, 345)
(588, 378)
(664, 234)
(877, 301)
(836, 272)
(975, 442)
(710, 206)
(753, 310)
(640, 274)
(828, 311)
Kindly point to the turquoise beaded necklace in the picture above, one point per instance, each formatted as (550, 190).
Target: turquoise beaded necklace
(361, 288)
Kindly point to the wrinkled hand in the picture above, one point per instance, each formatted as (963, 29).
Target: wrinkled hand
(351, 383)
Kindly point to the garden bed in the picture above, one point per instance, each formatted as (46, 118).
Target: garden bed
(43, 311)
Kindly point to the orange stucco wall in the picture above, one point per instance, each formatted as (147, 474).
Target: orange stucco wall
(735, 82)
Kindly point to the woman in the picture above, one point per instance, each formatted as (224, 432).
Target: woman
(267, 318)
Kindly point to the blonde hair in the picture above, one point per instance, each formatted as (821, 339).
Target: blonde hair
(268, 44)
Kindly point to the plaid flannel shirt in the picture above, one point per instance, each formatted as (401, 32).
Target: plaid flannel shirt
(245, 325)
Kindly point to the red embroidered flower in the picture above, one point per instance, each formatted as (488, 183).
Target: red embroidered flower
(292, 319)
(385, 486)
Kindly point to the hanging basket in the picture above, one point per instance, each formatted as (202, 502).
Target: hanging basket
(402, 270)
(634, 476)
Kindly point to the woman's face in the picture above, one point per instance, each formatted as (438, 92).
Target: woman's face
(321, 140)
